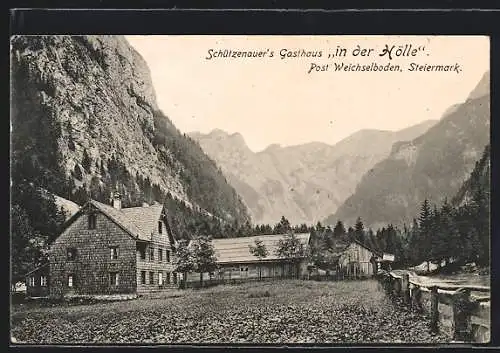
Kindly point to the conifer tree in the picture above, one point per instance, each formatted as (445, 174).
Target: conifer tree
(86, 161)
(283, 226)
(435, 237)
(339, 231)
(359, 230)
(424, 234)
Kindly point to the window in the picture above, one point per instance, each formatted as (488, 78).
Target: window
(143, 253)
(143, 277)
(168, 256)
(113, 278)
(151, 278)
(168, 277)
(43, 281)
(159, 227)
(114, 252)
(174, 277)
(92, 221)
(70, 281)
(71, 254)
(31, 281)
(151, 254)
(160, 254)
(160, 278)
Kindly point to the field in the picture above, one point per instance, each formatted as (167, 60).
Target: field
(264, 312)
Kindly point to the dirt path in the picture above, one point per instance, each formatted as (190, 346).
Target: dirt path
(266, 312)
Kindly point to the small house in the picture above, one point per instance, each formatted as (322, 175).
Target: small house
(37, 282)
(359, 261)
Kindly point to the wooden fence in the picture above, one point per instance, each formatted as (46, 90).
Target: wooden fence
(446, 305)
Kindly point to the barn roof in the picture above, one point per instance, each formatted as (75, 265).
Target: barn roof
(378, 253)
(236, 250)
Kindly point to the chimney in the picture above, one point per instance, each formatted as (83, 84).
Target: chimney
(117, 201)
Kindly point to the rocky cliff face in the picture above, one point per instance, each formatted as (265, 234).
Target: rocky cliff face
(432, 166)
(84, 110)
(304, 183)
(99, 90)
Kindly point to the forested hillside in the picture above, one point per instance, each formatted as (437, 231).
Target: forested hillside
(431, 166)
(441, 233)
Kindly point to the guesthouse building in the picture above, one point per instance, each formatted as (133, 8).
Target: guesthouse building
(109, 250)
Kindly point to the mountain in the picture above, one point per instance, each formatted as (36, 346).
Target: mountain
(304, 183)
(479, 179)
(431, 166)
(85, 122)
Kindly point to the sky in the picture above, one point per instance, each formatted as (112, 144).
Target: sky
(276, 101)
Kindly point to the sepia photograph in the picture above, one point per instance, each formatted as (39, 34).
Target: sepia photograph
(249, 189)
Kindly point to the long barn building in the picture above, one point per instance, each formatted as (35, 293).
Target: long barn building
(236, 262)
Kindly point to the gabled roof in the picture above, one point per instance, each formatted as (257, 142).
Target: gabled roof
(120, 218)
(236, 250)
(139, 222)
(378, 253)
(144, 218)
(36, 269)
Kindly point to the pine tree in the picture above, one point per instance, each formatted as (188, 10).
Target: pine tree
(381, 237)
(283, 226)
(339, 231)
(425, 231)
(414, 243)
(481, 213)
(102, 171)
(435, 237)
(359, 230)
(370, 241)
(77, 172)
(351, 235)
(451, 241)
(86, 161)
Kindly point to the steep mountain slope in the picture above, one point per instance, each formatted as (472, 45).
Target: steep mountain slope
(432, 166)
(85, 121)
(478, 180)
(304, 183)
